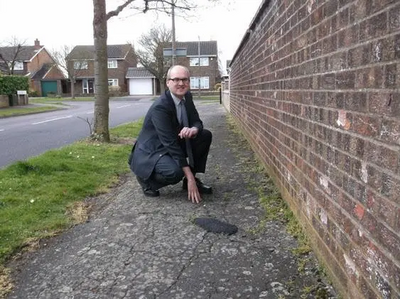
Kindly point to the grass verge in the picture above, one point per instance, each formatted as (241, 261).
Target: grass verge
(46, 100)
(42, 196)
(15, 111)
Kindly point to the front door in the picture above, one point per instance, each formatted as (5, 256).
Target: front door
(88, 86)
(91, 85)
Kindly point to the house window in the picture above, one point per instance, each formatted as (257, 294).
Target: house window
(194, 61)
(112, 82)
(80, 65)
(18, 66)
(204, 61)
(204, 82)
(112, 64)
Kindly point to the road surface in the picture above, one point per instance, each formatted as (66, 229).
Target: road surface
(30, 135)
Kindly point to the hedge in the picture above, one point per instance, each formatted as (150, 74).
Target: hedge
(10, 84)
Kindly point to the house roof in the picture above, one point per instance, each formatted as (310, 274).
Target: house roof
(207, 48)
(43, 71)
(26, 53)
(138, 72)
(87, 52)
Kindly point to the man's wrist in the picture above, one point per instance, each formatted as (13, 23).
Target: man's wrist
(196, 130)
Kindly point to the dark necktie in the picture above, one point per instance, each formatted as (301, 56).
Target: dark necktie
(185, 123)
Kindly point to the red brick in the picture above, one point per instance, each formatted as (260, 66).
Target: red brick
(348, 36)
(338, 61)
(391, 74)
(370, 77)
(383, 209)
(339, 100)
(343, 18)
(359, 56)
(359, 211)
(388, 239)
(385, 104)
(357, 147)
(374, 178)
(365, 125)
(345, 80)
(378, 5)
(390, 187)
(396, 45)
(374, 27)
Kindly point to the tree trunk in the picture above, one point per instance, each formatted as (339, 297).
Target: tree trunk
(73, 88)
(101, 104)
(162, 88)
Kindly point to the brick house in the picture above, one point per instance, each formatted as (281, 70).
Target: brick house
(36, 63)
(120, 59)
(202, 61)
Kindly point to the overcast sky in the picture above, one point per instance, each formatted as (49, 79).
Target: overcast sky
(56, 23)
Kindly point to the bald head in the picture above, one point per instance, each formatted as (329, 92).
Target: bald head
(178, 80)
(177, 68)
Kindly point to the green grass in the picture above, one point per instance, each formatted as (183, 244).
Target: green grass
(15, 111)
(47, 100)
(125, 130)
(39, 195)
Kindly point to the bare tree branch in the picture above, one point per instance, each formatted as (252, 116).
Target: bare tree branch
(118, 9)
(12, 54)
(151, 53)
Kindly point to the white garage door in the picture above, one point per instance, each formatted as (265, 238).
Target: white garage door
(140, 86)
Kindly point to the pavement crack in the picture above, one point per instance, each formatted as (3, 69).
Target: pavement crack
(194, 256)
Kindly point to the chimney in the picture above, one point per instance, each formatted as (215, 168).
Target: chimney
(37, 44)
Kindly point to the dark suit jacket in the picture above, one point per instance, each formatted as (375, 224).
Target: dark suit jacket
(159, 135)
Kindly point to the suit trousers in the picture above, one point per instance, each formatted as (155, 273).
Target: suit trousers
(167, 171)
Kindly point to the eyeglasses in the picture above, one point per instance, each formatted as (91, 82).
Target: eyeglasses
(177, 80)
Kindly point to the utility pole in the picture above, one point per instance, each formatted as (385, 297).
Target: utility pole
(198, 52)
(173, 32)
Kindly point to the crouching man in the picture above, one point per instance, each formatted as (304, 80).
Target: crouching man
(172, 134)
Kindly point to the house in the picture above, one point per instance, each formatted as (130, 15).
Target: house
(228, 67)
(36, 63)
(201, 58)
(81, 63)
(141, 81)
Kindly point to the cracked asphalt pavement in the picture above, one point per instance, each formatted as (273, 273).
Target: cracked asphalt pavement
(133, 246)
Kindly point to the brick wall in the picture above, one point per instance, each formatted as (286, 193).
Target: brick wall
(4, 101)
(314, 86)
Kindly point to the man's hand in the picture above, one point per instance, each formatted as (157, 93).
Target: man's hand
(193, 191)
(188, 132)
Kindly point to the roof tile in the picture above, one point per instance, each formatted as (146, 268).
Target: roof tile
(138, 72)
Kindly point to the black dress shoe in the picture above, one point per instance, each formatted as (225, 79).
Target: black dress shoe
(150, 192)
(147, 189)
(203, 189)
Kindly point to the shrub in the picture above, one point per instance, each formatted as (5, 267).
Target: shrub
(114, 91)
(217, 86)
(10, 84)
(33, 93)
